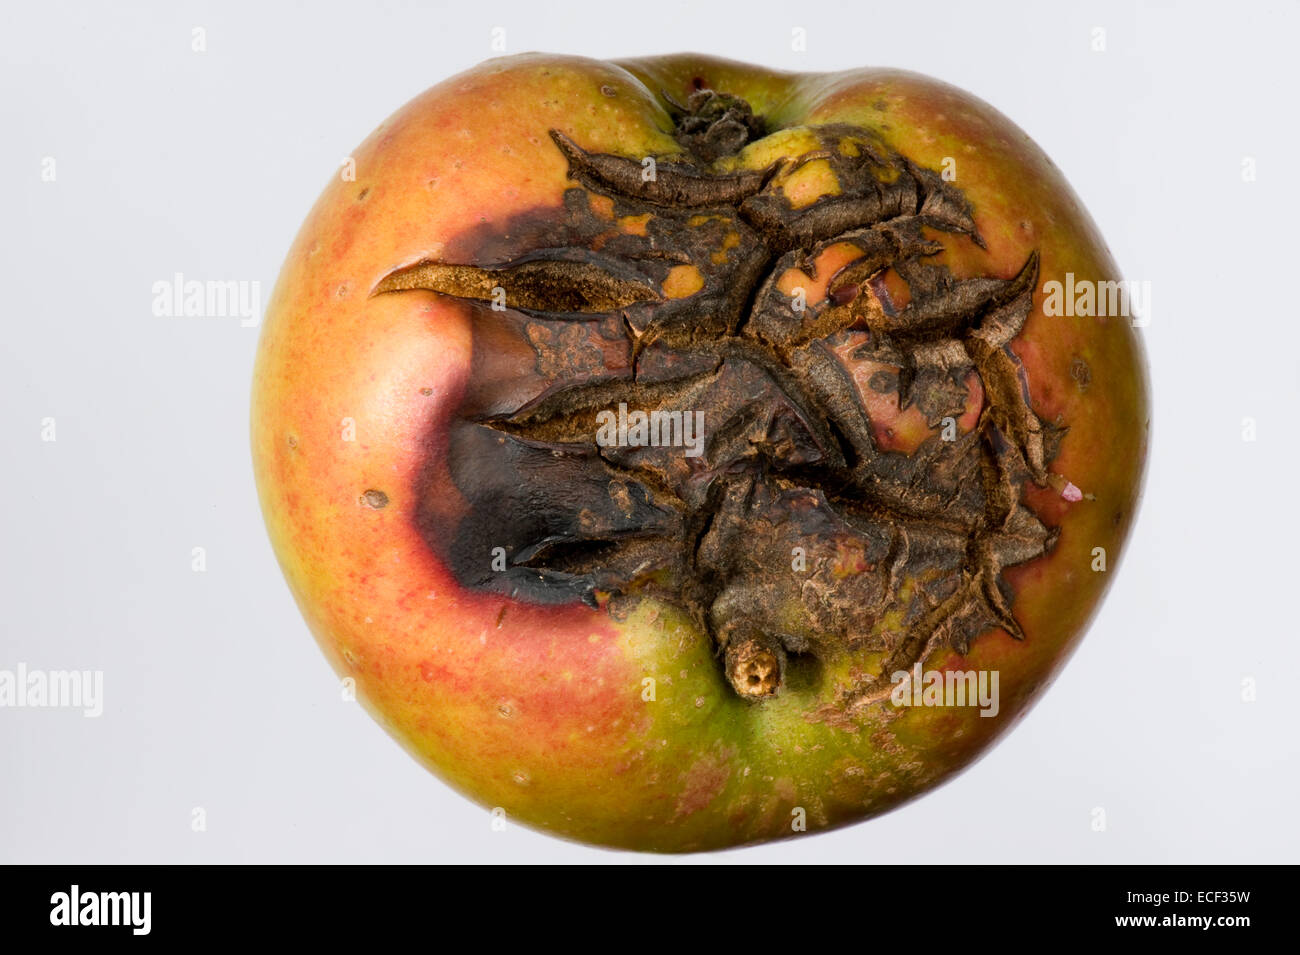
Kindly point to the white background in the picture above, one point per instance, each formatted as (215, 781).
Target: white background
(216, 696)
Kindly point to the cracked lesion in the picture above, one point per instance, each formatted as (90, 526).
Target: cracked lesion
(786, 529)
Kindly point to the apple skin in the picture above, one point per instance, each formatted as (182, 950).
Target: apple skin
(542, 711)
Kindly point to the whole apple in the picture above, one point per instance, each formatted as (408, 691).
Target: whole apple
(680, 454)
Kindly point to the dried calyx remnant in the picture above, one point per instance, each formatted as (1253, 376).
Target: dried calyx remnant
(792, 532)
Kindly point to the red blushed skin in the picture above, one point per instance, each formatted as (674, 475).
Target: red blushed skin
(547, 712)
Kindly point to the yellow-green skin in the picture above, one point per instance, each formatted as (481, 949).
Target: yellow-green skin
(549, 713)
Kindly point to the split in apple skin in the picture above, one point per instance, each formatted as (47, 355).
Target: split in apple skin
(790, 473)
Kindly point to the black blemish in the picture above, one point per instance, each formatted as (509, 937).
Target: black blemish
(883, 382)
(1081, 373)
(375, 499)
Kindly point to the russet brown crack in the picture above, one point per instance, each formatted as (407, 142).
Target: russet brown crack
(784, 529)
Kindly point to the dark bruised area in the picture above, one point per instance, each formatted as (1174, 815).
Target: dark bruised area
(779, 525)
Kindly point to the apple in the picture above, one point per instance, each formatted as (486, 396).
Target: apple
(679, 454)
